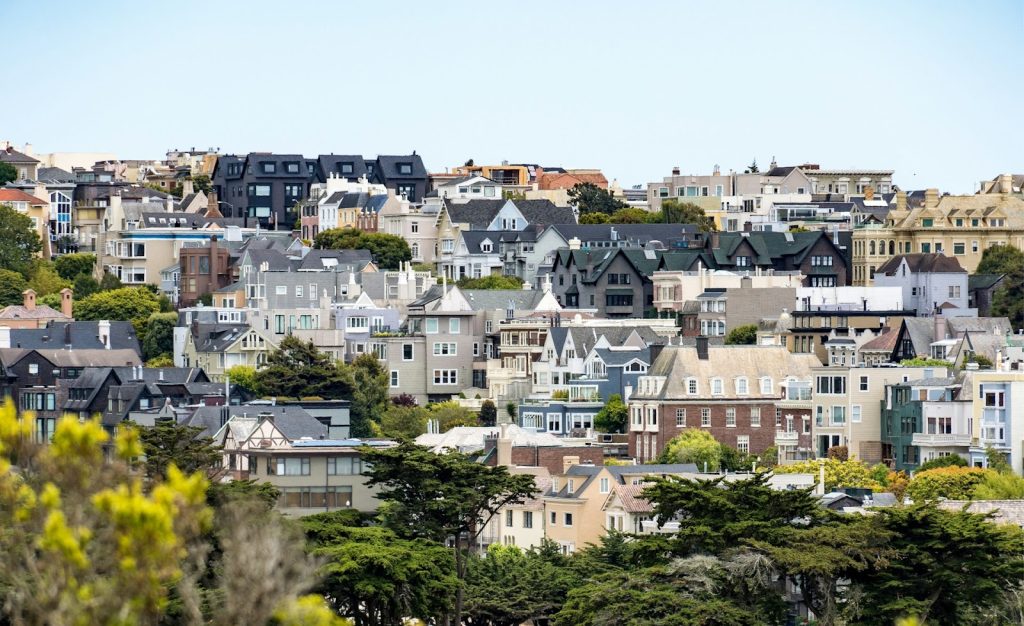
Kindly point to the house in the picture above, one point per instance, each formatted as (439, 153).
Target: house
(23, 163)
(33, 207)
(949, 338)
(32, 315)
(416, 224)
(928, 281)
(512, 446)
(717, 310)
(73, 335)
(57, 186)
(675, 288)
(613, 283)
(816, 255)
(468, 187)
(480, 253)
(263, 187)
(736, 393)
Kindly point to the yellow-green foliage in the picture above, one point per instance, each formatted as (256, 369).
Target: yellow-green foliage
(838, 474)
(953, 483)
(1000, 486)
(309, 611)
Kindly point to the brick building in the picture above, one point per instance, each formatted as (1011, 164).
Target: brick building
(737, 393)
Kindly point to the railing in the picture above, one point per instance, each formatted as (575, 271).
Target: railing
(956, 439)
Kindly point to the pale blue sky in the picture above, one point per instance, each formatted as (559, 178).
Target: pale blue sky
(931, 89)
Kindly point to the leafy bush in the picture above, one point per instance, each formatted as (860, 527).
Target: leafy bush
(953, 483)
(839, 474)
(953, 460)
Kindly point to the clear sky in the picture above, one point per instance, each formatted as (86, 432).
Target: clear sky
(931, 89)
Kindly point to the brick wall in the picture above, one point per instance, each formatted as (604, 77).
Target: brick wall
(550, 457)
(761, 437)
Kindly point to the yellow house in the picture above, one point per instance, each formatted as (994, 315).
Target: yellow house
(959, 226)
(36, 209)
(504, 174)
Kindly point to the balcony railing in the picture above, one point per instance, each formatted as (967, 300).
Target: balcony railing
(944, 439)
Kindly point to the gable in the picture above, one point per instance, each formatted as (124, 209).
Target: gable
(503, 219)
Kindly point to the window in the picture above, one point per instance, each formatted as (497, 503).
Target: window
(959, 248)
(453, 325)
(663, 192)
(954, 291)
(446, 377)
(926, 248)
(716, 386)
(405, 169)
(344, 466)
(394, 378)
(407, 351)
(855, 413)
(268, 167)
(863, 383)
(603, 485)
(291, 467)
(554, 516)
(431, 326)
(741, 386)
(755, 416)
(680, 418)
(619, 300)
(974, 247)
(567, 519)
(33, 368)
(527, 519)
(691, 386)
(705, 417)
(838, 414)
(298, 291)
(445, 349)
(508, 519)
(831, 385)
(730, 417)
(766, 385)
(743, 444)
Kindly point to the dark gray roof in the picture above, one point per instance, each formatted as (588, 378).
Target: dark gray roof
(314, 259)
(922, 263)
(328, 164)
(498, 299)
(476, 213)
(636, 232)
(387, 167)
(163, 219)
(274, 259)
(473, 238)
(618, 358)
(545, 212)
(10, 155)
(82, 335)
(335, 198)
(216, 337)
(293, 422)
(354, 200)
(54, 174)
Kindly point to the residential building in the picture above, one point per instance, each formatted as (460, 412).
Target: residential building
(32, 315)
(35, 208)
(417, 225)
(263, 187)
(732, 392)
(469, 187)
(614, 283)
(930, 283)
(717, 311)
(980, 290)
(72, 335)
(23, 162)
(674, 289)
(925, 419)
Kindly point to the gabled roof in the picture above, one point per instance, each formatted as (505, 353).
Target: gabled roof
(641, 233)
(545, 212)
(293, 422)
(331, 259)
(477, 213)
(74, 358)
(498, 299)
(82, 335)
(21, 312)
(922, 263)
(983, 281)
(10, 194)
(10, 155)
(387, 167)
(619, 358)
(328, 164)
(54, 175)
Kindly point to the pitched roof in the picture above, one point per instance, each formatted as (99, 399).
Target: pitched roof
(477, 213)
(10, 155)
(54, 174)
(75, 358)
(640, 233)
(922, 263)
(82, 335)
(884, 342)
(293, 422)
(545, 212)
(9, 194)
(334, 259)
(983, 281)
(21, 312)
(498, 299)
(632, 498)
(471, 438)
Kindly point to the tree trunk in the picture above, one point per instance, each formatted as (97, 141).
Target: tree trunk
(460, 574)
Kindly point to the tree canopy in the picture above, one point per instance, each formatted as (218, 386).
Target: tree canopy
(694, 446)
(71, 266)
(168, 443)
(20, 241)
(675, 212)
(134, 304)
(589, 198)
(742, 335)
(389, 251)
(12, 286)
(297, 369)
(491, 281)
(369, 394)
(613, 416)
(8, 173)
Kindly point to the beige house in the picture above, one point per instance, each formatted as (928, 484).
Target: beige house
(412, 223)
(959, 226)
(32, 315)
(236, 344)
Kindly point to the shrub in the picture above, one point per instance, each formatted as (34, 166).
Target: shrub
(839, 452)
(953, 460)
(953, 483)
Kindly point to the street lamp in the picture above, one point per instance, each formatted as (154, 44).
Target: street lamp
(245, 217)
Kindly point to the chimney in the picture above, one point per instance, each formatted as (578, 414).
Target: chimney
(569, 461)
(575, 243)
(702, 348)
(104, 333)
(931, 198)
(714, 240)
(901, 200)
(504, 447)
(675, 171)
(212, 277)
(1005, 183)
(67, 302)
(169, 204)
(30, 299)
(869, 193)
(5, 337)
(213, 206)
(941, 328)
(187, 188)
(717, 171)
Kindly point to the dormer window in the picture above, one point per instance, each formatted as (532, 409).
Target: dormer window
(716, 386)
(405, 169)
(269, 167)
(292, 167)
(741, 387)
(486, 246)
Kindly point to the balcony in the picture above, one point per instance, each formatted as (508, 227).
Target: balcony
(940, 440)
(787, 438)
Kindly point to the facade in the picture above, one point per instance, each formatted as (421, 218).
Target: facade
(930, 282)
(35, 208)
(732, 392)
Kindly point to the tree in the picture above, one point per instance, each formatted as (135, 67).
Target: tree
(7, 173)
(954, 483)
(745, 335)
(158, 338)
(84, 286)
(589, 198)
(488, 413)
(630, 215)
(491, 281)
(161, 360)
(401, 422)
(996, 460)
(297, 369)
(941, 564)
(1004, 259)
(44, 280)
(376, 577)
(244, 377)
(442, 497)
(675, 212)
(389, 251)
(694, 446)
(369, 394)
(594, 218)
(12, 286)
(838, 473)
(613, 416)
(752, 168)
(450, 414)
(201, 182)
(132, 304)
(999, 486)
(71, 266)
(508, 587)
(168, 443)
(20, 241)
(109, 282)
(951, 460)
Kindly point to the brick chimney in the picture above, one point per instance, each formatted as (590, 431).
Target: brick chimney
(869, 193)
(1005, 183)
(30, 299)
(212, 206)
(931, 198)
(901, 200)
(702, 348)
(67, 302)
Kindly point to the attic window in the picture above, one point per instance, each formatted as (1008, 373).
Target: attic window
(486, 246)
(269, 167)
(405, 169)
(152, 220)
(292, 167)
(347, 167)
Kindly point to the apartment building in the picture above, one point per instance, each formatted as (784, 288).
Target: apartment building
(929, 282)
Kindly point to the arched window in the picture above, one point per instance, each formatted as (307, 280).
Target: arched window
(872, 247)
(892, 247)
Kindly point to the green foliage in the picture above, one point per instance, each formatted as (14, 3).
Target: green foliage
(733, 460)
(132, 304)
(201, 182)
(1008, 299)
(675, 212)
(71, 266)
(488, 413)
(244, 376)
(297, 369)
(841, 453)
(45, 280)
(838, 474)
(694, 446)
(953, 460)
(491, 281)
(20, 241)
(745, 335)
(630, 215)
(509, 587)
(369, 394)
(999, 486)
(589, 198)
(922, 362)
(8, 173)
(221, 494)
(389, 251)
(450, 414)
(769, 458)
(953, 483)
(84, 286)
(1003, 259)
(109, 282)
(613, 416)
(158, 338)
(512, 411)
(996, 461)
(12, 285)
(168, 443)
(423, 267)
(594, 218)
(752, 168)
(401, 422)
(161, 360)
